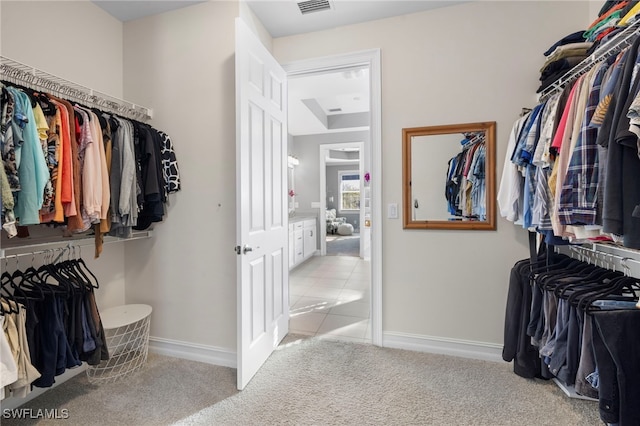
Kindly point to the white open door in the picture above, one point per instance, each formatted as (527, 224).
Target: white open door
(262, 237)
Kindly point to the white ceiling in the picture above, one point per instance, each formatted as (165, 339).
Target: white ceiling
(136, 9)
(283, 17)
(311, 98)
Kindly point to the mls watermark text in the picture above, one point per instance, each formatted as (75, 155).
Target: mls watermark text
(36, 413)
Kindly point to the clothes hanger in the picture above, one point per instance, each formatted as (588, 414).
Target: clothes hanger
(83, 267)
(73, 269)
(611, 285)
(618, 287)
(591, 274)
(594, 282)
(5, 280)
(14, 294)
(542, 263)
(50, 271)
(570, 271)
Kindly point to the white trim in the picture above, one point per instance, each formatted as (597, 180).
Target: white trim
(444, 346)
(370, 58)
(376, 195)
(193, 352)
(12, 402)
(324, 149)
(322, 215)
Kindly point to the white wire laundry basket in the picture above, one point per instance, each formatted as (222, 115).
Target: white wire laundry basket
(126, 331)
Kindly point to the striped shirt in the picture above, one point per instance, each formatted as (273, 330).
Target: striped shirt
(578, 199)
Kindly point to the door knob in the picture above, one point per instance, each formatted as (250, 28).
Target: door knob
(244, 249)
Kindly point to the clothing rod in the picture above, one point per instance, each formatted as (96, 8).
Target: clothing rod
(595, 254)
(21, 74)
(51, 251)
(79, 242)
(613, 46)
(630, 265)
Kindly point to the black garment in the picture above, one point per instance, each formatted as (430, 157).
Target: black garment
(90, 351)
(153, 187)
(517, 344)
(577, 37)
(536, 319)
(564, 64)
(616, 342)
(552, 78)
(622, 190)
(55, 355)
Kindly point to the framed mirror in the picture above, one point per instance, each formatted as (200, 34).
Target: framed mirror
(448, 176)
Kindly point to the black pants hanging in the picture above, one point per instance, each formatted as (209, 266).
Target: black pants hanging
(616, 343)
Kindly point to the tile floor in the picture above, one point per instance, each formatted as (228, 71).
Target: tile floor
(330, 297)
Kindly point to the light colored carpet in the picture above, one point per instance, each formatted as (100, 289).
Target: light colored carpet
(321, 382)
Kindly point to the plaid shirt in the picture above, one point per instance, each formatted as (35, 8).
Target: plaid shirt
(578, 197)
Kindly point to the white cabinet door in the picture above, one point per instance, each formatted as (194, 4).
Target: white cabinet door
(298, 245)
(309, 238)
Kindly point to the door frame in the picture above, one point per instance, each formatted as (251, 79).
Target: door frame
(324, 148)
(371, 59)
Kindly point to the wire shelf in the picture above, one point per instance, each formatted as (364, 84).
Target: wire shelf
(25, 75)
(612, 47)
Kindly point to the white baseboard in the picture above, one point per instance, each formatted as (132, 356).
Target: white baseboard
(193, 352)
(443, 346)
(13, 402)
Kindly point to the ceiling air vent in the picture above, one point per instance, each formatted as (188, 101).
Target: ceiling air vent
(310, 6)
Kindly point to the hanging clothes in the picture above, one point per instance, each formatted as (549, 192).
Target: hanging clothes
(51, 323)
(581, 178)
(80, 168)
(32, 169)
(576, 322)
(465, 185)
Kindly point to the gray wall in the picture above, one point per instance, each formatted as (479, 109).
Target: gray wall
(333, 190)
(307, 149)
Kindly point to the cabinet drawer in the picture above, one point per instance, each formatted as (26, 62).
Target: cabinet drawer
(298, 225)
(310, 223)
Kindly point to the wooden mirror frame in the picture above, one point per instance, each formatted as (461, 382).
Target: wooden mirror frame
(490, 176)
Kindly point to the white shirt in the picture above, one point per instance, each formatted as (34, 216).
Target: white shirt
(510, 191)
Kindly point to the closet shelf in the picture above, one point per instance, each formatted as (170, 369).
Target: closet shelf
(571, 392)
(28, 76)
(27, 246)
(612, 47)
(609, 255)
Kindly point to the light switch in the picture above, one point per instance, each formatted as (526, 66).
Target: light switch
(392, 211)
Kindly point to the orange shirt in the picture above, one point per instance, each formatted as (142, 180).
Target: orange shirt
(65, 203)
